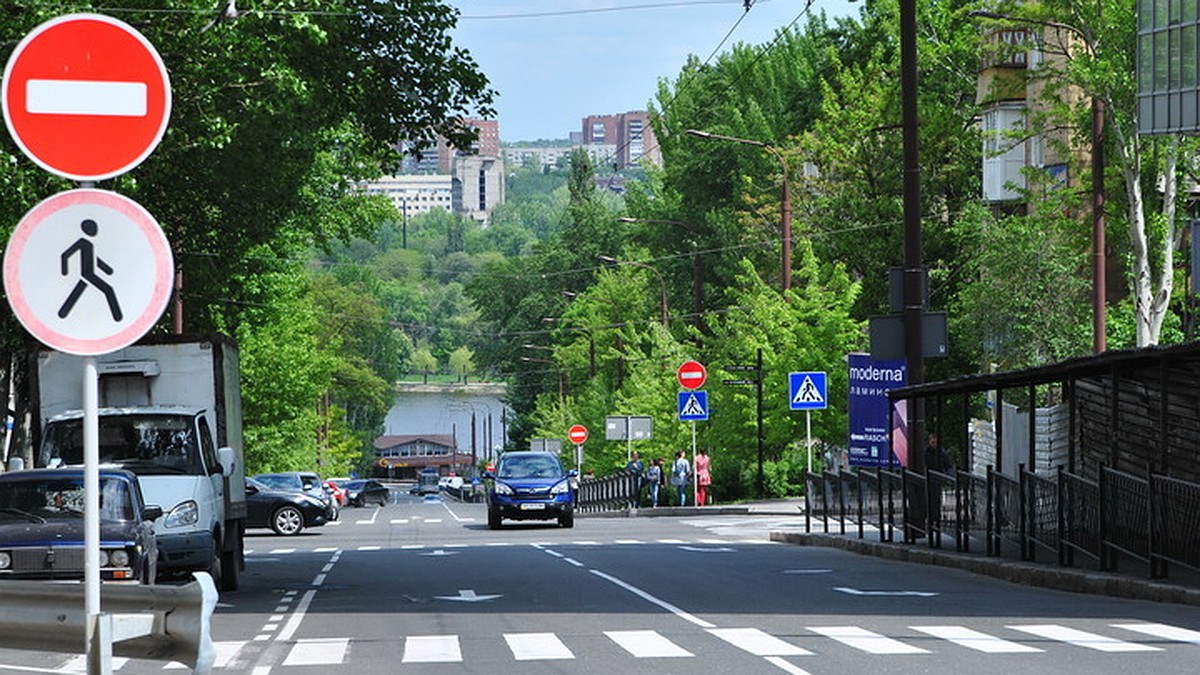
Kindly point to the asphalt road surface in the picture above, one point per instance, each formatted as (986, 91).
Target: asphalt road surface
(423, 586)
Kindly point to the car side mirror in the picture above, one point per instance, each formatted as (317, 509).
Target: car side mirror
(573, 473)
(251, 489)
(152, 513)
(227, 459)
(489, 474)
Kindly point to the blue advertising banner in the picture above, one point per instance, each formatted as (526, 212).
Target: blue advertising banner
(869, 384)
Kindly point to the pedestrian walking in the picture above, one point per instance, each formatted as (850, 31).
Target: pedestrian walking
(654, 478)
(635, 466)
(681, 472)
(703, 477)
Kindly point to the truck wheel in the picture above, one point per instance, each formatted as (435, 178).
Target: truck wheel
(287, 521)
(231, 565)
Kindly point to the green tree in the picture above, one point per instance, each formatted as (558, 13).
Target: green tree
(423, 361)
(462, 363)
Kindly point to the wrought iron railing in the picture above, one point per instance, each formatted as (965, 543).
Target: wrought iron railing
(1155, 519)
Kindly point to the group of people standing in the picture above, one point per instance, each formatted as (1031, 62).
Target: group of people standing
(680, 474)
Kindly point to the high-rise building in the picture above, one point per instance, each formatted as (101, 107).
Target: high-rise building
(629, 133)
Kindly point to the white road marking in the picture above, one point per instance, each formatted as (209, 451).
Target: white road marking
(297, 616)
(650, 598)
(399, 521)
(537, 646)
(973, 639)
(85, 97)
(432, 649)
(787, 667)
(281, 551)
(317, 652)
(1162, 630)
(646, 644)
(867, 641)
(1081, 638)
(370, 548)
(757, 642)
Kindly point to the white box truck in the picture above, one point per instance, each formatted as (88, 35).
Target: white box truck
(170, 412)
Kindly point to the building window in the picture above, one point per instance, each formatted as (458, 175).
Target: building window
(1003, 152)
(597, 133)
(482, 190)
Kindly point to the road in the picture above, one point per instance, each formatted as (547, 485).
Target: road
(426, 587)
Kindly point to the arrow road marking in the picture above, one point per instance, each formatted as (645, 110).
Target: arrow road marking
(914, 594)
(85, 97)
(467, 595)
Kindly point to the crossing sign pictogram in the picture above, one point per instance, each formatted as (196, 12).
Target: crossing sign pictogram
(693, 406)
(88, 272)
(807, 391)
(86, 96)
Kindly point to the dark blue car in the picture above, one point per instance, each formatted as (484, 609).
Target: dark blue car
(42, 526)
(530, 486)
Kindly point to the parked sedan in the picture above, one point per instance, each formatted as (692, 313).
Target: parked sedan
(42, 526)
(363, 492)
(302, 481)
(284, 511)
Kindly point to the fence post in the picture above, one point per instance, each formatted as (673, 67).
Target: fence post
(991, 513)
(1106, 563)
(1158, 568)
(1061, 490)
(858, 477)
(841, 493)
(1023, 487)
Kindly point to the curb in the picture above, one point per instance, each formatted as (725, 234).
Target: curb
(1029, 574)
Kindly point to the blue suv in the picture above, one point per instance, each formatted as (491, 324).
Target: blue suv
(530, 486)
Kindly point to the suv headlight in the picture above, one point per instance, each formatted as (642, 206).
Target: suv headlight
(503, 489)
(561, 488)
(187, 513)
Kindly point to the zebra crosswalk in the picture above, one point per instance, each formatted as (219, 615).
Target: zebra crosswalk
(820, 639)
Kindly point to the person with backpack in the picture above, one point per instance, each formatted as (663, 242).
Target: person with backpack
(680, 475)
(654, 478)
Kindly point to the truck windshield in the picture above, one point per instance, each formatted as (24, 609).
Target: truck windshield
(143, 444)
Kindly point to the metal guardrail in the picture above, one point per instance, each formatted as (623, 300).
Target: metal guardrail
(614, 492)
(1154, 519)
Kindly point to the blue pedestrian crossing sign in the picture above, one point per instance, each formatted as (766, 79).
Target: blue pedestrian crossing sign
(693, 406)
(806, 391)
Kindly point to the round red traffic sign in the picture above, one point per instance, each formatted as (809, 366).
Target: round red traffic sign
(86, 96)
(578, 434)
(88, 272)
(691, 375)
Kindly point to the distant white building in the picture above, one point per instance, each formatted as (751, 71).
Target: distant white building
(601, 156)
(413, 195)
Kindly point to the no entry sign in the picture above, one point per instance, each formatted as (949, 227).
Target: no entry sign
(86, 97)
(691, 375)
(88, 272)
(578, 434)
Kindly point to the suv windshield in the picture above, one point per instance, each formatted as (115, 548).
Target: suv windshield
(530, 466)
(148, 443)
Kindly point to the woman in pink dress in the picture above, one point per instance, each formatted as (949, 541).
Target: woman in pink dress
(703, 477)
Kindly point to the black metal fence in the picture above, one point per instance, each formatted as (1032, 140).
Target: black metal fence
(617, 491)
(1154, 519)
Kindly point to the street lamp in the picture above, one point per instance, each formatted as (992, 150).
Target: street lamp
(1099, 277)
(697, 264)
(785, 206)
(661, 281)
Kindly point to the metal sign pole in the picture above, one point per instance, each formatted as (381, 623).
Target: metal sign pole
(96, 639)
(808, 428)
(695, 477)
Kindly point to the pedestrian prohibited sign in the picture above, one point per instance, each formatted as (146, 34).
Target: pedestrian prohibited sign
(88, 272)
(807, 391)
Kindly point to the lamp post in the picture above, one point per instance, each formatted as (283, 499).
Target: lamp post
(661, 281)
(786, 201)
(561, 374)
(697, 263)
(1099, 263)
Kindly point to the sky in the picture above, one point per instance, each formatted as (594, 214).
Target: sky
(554, 62)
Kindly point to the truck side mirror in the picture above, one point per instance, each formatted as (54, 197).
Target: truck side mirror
(227, 459)
(152, 512)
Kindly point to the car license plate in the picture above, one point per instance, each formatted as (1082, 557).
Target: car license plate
(533, 507)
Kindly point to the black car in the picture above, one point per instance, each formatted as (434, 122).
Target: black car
(362, 492)
(284, 511)
(42, 526)
(301, 481)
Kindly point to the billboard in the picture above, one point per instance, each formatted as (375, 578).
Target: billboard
(869, 383)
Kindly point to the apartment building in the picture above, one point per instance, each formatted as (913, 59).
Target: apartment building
(413, 195)
(629, 133)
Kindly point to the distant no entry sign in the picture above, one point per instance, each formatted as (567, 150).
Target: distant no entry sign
(691, 375)
(578, 434)
(86, 97)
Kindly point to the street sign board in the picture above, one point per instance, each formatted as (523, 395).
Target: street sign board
(807, 391)
(545, 445)
(691, 375)
(88, 272)
(578, 434)
(628, 427)
(693, 406)
(86, 96)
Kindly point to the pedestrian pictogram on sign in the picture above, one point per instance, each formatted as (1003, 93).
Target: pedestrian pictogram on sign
(88, 272)
(693, 406)
(806, 391)
(86, 96)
